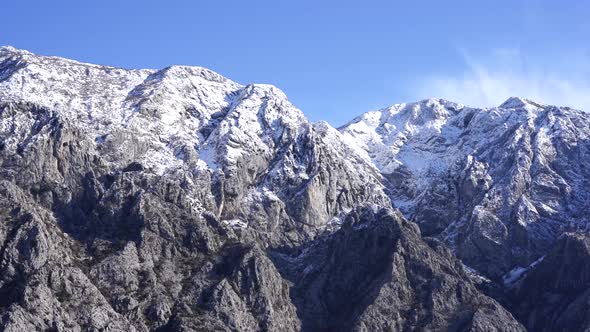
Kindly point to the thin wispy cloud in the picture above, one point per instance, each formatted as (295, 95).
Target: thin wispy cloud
(487, 80)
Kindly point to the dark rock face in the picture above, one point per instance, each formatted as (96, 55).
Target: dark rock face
(126, 252)
(555, 295)
(377, 274)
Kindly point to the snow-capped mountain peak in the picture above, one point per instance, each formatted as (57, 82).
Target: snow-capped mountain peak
(383, 133)
(465, 172)
(176, 108)
(249, 140)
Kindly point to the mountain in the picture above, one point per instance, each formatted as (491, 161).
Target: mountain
(245, 153)
(177, 199)
(497, 185)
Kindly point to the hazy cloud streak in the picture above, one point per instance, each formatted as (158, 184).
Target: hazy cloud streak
(489, 80)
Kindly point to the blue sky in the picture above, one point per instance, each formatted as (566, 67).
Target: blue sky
(334, 59)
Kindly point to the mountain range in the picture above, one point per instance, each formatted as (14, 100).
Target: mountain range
(179, 200)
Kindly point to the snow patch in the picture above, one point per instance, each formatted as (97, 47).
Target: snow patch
(235, 223)
(517, 273)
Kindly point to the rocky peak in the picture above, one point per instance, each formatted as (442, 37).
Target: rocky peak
(517, 102)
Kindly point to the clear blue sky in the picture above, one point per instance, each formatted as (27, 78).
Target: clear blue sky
(334, 59)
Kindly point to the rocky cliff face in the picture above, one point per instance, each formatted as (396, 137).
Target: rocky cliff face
(176, 199)
(555, 294)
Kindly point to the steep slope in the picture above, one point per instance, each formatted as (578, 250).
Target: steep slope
(555, 294)
(499, 185)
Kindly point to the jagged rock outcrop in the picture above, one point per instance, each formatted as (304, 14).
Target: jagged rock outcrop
(555, 294)
(377, 274)
(140, 263)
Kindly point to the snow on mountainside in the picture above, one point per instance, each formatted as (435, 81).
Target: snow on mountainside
(382, 135)
(176, 199)
(498, 184)
(110, 103)
(249, 140)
